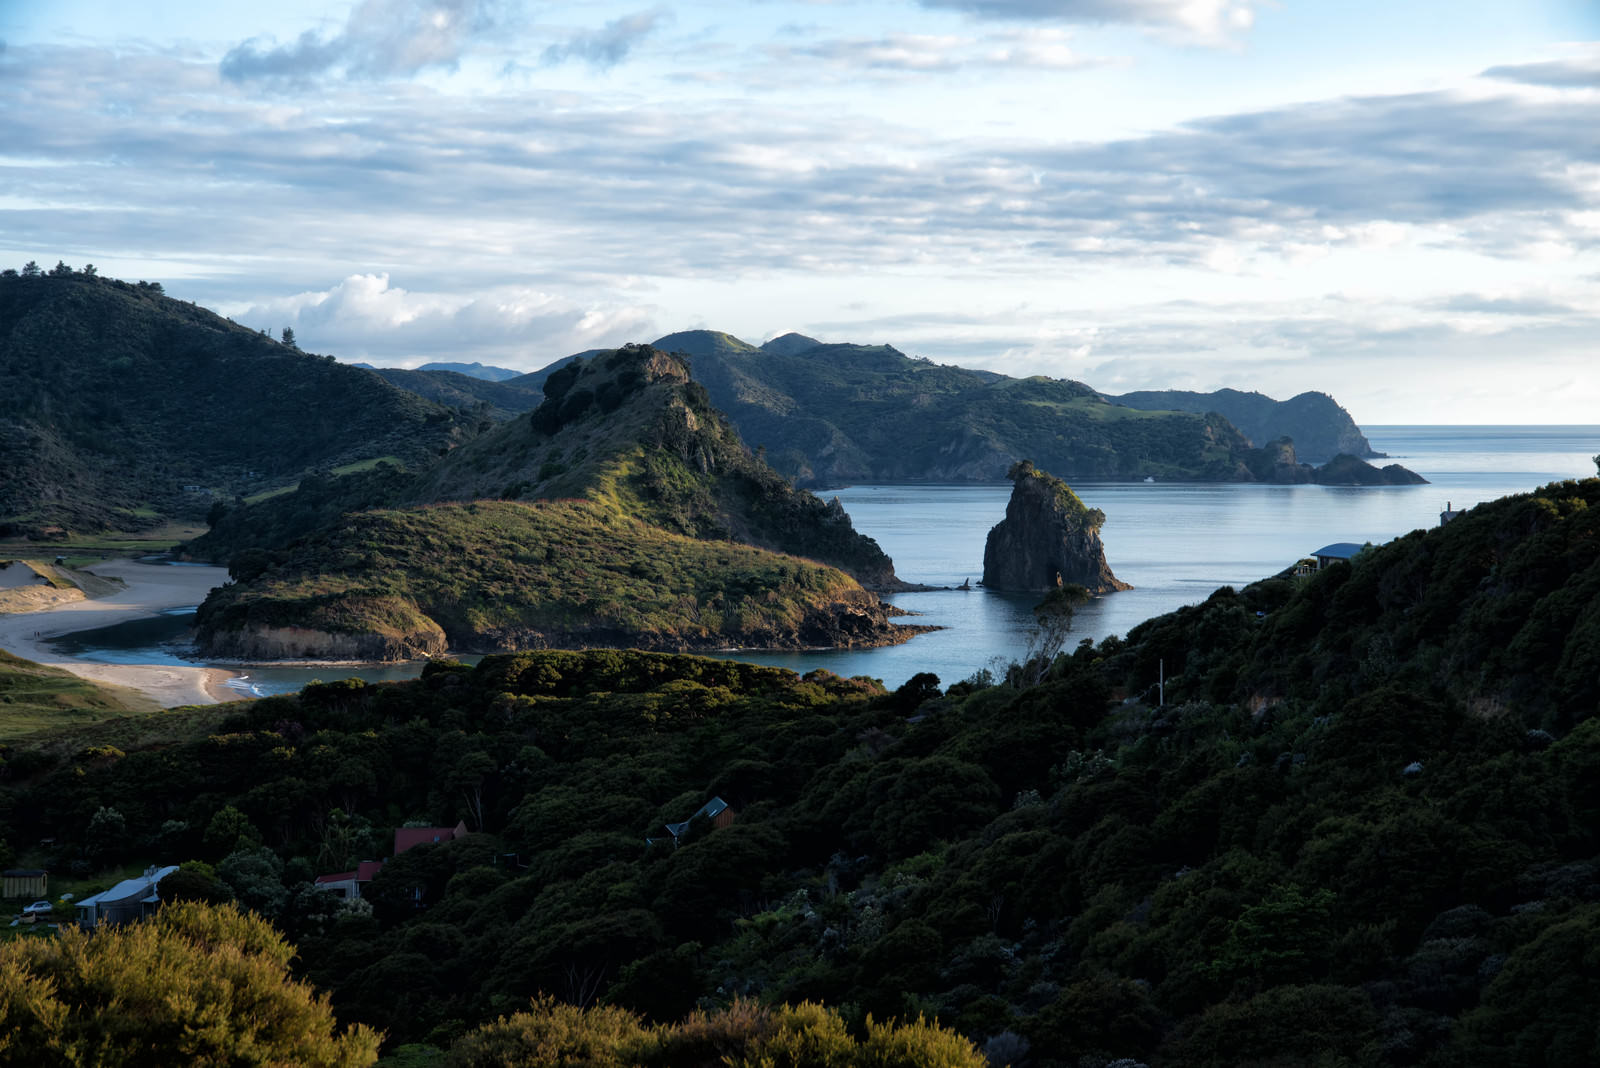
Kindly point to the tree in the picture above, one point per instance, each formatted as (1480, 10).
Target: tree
(89, 270)
(31, 270)
(198, 984)
(288, 337)
(61, 270)
(1053, 616)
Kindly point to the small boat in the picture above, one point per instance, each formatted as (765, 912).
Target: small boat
(1149, 478)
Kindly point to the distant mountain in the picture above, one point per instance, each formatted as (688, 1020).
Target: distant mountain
(1320, 428)
(504, 398)
(790, 344)
(625, 511)
(474, 370)
(120, 406)
(829, 413)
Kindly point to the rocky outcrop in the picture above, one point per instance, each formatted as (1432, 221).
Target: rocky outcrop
(308, 643)
(352, 628)
(1276, 462)
(1049, 538)
(1346, 470)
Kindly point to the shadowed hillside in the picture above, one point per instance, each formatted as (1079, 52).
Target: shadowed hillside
(120, 406)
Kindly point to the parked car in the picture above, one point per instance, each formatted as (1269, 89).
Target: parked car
(38, 908)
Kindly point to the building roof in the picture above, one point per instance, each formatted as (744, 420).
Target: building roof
(127, 888)
(1339, 550)
(364, 873)
(711, 810)
(23, 873)
(408, 837)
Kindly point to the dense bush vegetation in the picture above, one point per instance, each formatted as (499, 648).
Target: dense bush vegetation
(1362, 831)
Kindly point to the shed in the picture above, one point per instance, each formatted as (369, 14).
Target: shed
(25, 882)
(1339, 550)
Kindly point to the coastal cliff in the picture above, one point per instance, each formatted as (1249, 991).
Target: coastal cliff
(1049, 538)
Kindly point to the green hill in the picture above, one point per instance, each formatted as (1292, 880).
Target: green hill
(1362, 831)
(829, 414)
(497, 398)
(120, 407)
(649, 524)
(498, 575)
(630, 428)
(1319, 427)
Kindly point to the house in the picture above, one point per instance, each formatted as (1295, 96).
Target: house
(716, 810)
(348, 884)
(409, 837)
(1449, 513)
(25, 882)
(1333, 554)
(131, 899)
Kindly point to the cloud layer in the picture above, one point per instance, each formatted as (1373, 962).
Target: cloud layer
(322, 185)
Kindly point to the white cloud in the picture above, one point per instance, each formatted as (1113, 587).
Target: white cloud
(381, 39)
(609, 45)
(1203, 20)
(364, 317)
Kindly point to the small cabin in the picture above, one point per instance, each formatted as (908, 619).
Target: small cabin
(1335, 553)
(1449, 513)
(25, 882)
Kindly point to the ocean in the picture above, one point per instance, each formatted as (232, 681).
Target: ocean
(1175, 542)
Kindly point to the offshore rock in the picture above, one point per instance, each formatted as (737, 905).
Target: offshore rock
(1049, 538)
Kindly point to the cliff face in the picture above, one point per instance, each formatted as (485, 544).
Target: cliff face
(1048, 538)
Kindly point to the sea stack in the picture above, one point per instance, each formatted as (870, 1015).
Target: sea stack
(1049, 538)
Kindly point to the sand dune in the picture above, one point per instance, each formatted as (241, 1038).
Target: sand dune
(149, 589)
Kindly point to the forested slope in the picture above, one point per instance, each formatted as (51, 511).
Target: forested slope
(120, 406)
(1363, 830)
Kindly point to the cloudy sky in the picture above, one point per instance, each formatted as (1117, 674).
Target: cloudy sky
(1397, 203)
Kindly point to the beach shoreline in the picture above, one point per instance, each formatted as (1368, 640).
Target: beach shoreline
(149, 590)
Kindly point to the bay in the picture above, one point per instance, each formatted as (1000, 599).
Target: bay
(1175, 542)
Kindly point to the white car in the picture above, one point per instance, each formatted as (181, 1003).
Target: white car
(38, 908)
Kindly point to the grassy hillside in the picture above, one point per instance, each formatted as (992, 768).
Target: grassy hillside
(653, 526)
(496, 575)
(629, 428)
(1362, 831)
(36, 698)
(120, 407)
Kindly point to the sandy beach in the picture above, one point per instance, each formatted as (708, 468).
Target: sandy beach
(149, 590)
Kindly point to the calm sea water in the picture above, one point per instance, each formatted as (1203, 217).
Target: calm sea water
(1175, 542)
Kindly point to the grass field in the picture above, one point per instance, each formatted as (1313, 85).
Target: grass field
(342, 469)
(82, 549)
(34, 698)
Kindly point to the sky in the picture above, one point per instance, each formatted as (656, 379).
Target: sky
(1394, 203)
